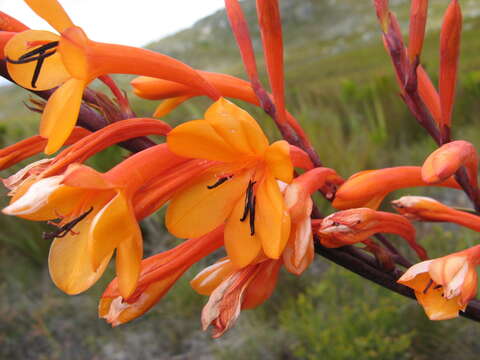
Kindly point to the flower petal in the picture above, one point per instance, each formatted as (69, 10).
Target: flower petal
(279, 162)
(52, 72)
(60, 114)
(114, 224)
(198, 139)
(127, 265)
(242, 247)
(69, 262)
(272, 222)
(197, 210)
(52, 12)
(237, 127)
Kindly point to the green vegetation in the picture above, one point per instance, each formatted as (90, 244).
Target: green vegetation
(341, 88)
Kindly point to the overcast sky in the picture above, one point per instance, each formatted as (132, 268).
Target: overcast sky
(124, 22)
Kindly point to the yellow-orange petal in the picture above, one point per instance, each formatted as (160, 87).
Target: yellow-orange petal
(237, 128)
(168, 105)
(436, 306)
(60, 114)
(69, 262)
(272, 221)
(210, 278)
(279, 162)
(114, 224)
(127, 264)
(116, 311)
(52, 12)
(242, 247)
(198, 139)
(52, 72)
(197, 210)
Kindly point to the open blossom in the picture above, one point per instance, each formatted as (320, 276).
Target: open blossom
(445, 285)
(41, 60)
(241, 190)
(97, 216)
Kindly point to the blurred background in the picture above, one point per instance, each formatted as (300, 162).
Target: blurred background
(341, 86)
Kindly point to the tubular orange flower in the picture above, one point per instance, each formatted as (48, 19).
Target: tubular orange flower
(8, 23)
(97, 217)
(5, 37)
(418, 20)
(445, 285)
(42, 60)
(157, 275)
(240, 189)
(232, 289)
(427, 209)
(299, 251)
(449, 54)
(369, 188)
(448, 159)
(24, 149)
(356, 225)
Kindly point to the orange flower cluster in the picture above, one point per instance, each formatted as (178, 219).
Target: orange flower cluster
(227, 188)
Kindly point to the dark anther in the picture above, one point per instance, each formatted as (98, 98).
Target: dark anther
(437, 287)
(219, 182)
(39, 54)
(250, 201)
(428, 286)
(252, 217)
(65, 229)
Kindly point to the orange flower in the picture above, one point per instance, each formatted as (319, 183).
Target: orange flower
(241, 188)
(369, 188)
(445, 285)
(448, 159)
(449, 54)
(356, 225)
(232, 290)
(427, 209)
(42, 60)
(24, 149)
(418, 20)
(299, 251)
(157, 275)
(97, 217)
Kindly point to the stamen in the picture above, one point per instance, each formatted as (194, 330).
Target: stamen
(252, 216)
(219, 182)
(67, 228)
(430, 283)
(248, 200)
(39, 54)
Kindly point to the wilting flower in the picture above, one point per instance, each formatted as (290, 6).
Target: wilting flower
(232, 289)
(241, 187)
(369, 188)
(42, 60)
(423, 208)
(96, 217)
(157, 275)
(445, 285)
(356, 225)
